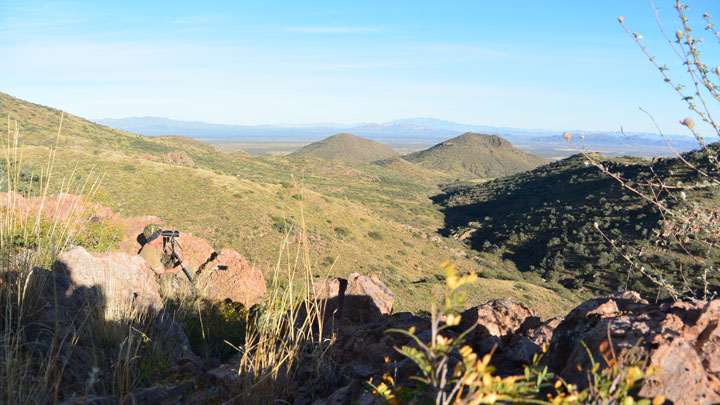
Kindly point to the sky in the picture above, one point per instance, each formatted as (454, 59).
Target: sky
(557, 65)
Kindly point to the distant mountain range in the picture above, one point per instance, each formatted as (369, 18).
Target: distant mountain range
(546, 143)
(406, 128)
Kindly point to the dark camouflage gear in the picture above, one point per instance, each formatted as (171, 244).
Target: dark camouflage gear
(150, 230)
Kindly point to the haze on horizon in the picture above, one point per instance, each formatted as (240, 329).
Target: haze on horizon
(521, 64)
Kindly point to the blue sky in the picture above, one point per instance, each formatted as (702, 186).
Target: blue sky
(557, 65)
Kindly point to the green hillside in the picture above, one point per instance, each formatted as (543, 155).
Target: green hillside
(366, 218)
(543, 220)
(347, 148)
(472, 155)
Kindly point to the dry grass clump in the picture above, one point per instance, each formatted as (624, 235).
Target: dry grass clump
(39, 341)
(288, 333)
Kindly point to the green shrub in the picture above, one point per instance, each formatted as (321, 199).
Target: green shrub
(341, 231)
(100, 235)
(375, 235)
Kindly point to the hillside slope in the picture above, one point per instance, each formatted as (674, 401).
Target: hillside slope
(473, 155)
(347, 148)
(544, 221)
(367, 218)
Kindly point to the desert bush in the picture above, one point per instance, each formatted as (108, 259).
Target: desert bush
(213, 329)
(99, 235)
(341, 231)
(689, 225)
(375, 235)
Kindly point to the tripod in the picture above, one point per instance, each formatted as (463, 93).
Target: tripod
(170, 235)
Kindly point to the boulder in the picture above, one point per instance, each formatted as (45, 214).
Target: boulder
(134, 239)
(195, 251)
(498, 319)
(682, 339)
(332, 291)
(121, 282)
(525, 344)
(60, 206)
(363, 286)
(180, 158)
(359, 298)
(240, 282)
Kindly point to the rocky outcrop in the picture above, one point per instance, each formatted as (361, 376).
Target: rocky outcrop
(195, 251)
(91, 306)
(61, 206)
(229, 276)
(133, 228)
(498, 318)
(125, 281)
(682, 339)
(359, 298)
(239, 282)
(363, 286)
(180, 158)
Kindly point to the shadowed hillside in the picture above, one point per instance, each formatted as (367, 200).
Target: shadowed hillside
(544, 220)
(347, 148)
(472, 155)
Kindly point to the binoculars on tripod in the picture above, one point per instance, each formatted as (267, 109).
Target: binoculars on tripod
(170, 234)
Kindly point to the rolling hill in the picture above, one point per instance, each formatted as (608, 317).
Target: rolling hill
(473, 155)
(347, 148)
(369, 218)
(544, 221)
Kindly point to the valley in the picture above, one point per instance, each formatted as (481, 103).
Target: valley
(368, 217)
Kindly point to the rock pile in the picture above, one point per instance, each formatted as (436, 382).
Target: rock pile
(682, 339)
(180, 158)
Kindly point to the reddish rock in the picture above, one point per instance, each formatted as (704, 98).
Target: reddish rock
(332, 291)
(528, 342)
(682, 339)
(542, 334)
(132, 242)
(61, 206)
(240, 282)
(124, 280)
(329, 288)
(359, 298)
(180, 158)
(372, 287)
(499, 318)
(195, 251)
